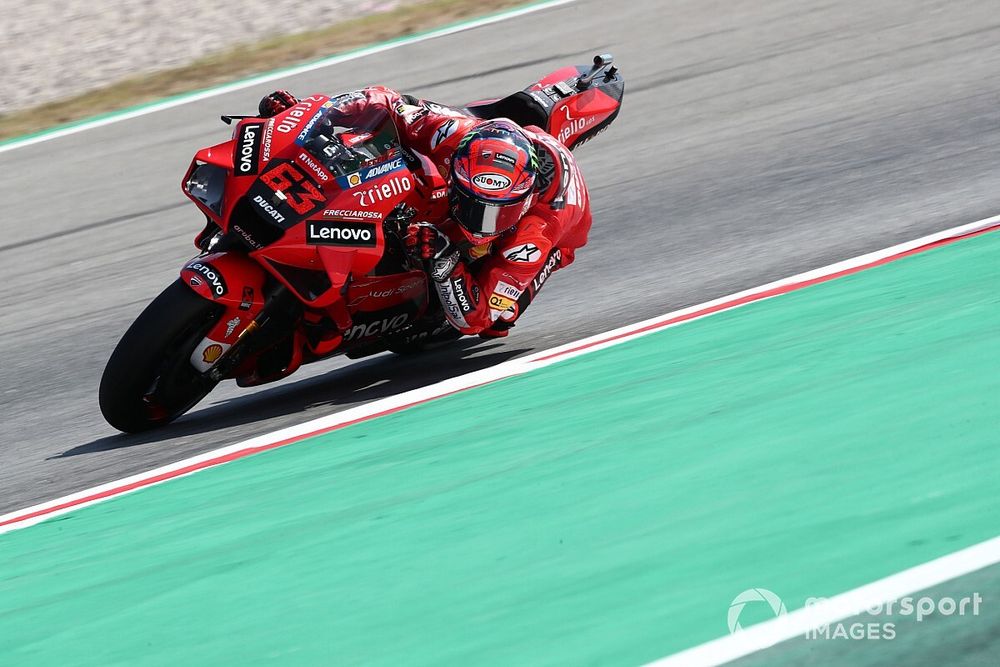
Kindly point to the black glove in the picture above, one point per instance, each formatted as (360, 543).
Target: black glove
(275, 103)
(425, 243)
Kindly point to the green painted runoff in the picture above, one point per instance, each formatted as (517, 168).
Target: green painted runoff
(603, 510)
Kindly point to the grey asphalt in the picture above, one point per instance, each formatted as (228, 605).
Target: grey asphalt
(757, 140)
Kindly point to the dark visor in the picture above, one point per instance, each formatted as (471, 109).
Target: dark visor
(480, 219)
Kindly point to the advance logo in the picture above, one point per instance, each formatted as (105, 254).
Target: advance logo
(329, 232)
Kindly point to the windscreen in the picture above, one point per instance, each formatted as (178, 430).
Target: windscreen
(344, 142)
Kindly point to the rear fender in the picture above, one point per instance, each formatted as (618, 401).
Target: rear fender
(582, 116)
(234, 281)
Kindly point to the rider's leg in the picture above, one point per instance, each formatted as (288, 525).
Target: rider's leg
(500, 328)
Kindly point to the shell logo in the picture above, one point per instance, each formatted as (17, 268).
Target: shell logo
(354, 179)
(212, 353)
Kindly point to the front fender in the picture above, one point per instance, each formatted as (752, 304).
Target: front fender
(235, 282)
(229, 278)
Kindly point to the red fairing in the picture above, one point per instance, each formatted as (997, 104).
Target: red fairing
(575, 115)
(231, 279)
(555, 77)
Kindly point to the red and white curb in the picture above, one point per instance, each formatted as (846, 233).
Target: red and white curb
(286, 436)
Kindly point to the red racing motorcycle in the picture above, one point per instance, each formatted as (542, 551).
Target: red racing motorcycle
(302, 256)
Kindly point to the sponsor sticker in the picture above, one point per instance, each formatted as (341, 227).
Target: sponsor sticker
(491, 182)
(268, 135)
(211, 353)
(268, 208)
(555, 260)
(294, 116)
(411, 113)
(527, 253)
(320, 173)
(443, 132)
(329, 232)
(381, 169)
(507, 290)
(351, 214)
(574, 125)
(499, 302)
(505, 161)
(245, 235)
(247, 301)
(369, 173)
(309, 126)
(462, 295)
(206, 353)
(446, 292)
(248, 149)
(231, 326)
(214, 278)
(395, 186)
(363, 330)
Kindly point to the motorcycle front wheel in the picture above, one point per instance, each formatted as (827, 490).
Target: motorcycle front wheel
(149, 380)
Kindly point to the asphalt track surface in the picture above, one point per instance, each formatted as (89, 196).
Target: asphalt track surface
(757, 140)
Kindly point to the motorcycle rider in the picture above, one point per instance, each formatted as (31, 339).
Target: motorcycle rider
(517, 203)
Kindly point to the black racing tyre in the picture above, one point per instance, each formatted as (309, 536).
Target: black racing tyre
(149, 380)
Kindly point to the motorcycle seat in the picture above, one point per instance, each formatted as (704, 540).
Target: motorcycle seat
(519, 107)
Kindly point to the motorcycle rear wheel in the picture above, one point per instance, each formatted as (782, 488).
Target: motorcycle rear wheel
(149, 380)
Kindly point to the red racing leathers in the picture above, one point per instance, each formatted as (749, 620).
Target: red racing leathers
(501, 278)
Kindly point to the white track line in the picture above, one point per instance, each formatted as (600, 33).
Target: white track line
(273, 76)
(797, 623)
(37, 513)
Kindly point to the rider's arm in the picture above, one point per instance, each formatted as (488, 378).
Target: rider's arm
(474, 299)
(427, 127)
